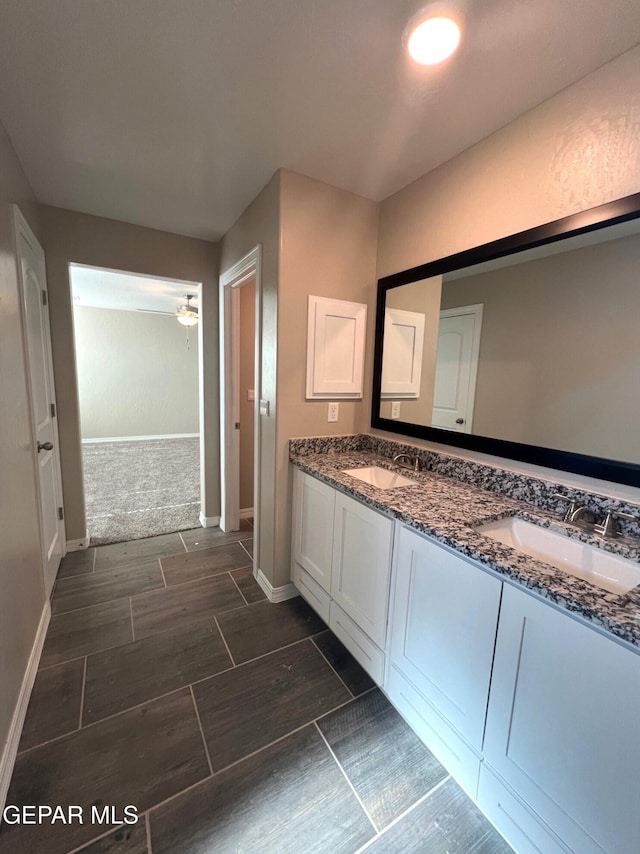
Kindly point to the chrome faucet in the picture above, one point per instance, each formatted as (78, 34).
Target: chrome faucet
(609, 527)
(408, 461)
(576, 514)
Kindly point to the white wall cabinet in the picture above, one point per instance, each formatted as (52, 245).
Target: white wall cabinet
(442, 638)
(563, 727)
(336, 332)
(341, 564)
(402, 357)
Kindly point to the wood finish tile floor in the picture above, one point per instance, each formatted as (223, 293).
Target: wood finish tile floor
(168, 682)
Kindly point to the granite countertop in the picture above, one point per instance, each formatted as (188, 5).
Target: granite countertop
(449, 511)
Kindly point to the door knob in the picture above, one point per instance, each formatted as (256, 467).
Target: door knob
(45, 446)
(459, 420)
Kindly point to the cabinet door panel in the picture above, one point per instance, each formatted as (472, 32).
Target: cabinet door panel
(443, 631)
(361, 565)
(563, 728)
(313, 527)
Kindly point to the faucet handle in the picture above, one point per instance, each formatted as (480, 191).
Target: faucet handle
(570, 501)
(609, 528)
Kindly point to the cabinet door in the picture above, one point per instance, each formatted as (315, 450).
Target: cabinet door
(563, 728)
(443, 631)
(313, 527)
(361, 565)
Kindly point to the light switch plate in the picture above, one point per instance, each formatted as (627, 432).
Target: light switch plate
(332, 413)
(395, 409)
(251, 395)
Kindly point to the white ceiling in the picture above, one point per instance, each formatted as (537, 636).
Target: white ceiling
(95, 287)
(175, 113)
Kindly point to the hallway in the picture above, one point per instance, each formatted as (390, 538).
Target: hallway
(169, 683)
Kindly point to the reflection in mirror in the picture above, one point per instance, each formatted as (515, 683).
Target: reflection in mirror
(541, 347)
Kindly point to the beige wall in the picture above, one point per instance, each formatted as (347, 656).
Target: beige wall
(328, 250)
(136, 375)
(22, 594)
(559, 351)
(579, 149)
(247, 382)
(74, 237)
(260, 224)
(422, 297)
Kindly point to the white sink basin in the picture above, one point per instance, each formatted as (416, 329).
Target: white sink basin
(604, 569)
(379, 477)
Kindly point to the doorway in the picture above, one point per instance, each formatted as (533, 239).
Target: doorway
(139, 398)
(240, 340)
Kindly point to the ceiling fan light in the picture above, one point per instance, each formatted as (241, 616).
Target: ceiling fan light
(187, 314)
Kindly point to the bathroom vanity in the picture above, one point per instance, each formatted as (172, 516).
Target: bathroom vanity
(522, 679)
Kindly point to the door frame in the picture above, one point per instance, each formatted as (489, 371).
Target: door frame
(474, 357)
(23, 230)
(231, 280)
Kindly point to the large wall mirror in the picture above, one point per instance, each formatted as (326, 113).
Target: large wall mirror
(527, 347)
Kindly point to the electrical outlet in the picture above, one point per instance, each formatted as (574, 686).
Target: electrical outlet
(332, 414)
(395, 409)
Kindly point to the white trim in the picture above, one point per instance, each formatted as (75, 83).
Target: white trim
(275, 594)
(246, 513)
(247, 268)
(8, 758)
(142, 438)
(209, 521)
(78, 545)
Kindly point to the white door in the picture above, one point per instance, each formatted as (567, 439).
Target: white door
(33, 285)
(457, 368)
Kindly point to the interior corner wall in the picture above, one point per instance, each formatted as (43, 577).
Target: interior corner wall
(22, 595)
(68, 236)
(579, 149)
(328, 249)
(136, 374)
(260, 225)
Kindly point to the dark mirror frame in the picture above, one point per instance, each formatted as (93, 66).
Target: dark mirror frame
(621, 210)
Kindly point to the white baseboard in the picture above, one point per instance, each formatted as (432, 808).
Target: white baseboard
(276, 594)
(8, 758)
(209, 521)
(78, 545)
(247, 513)
(142, 438)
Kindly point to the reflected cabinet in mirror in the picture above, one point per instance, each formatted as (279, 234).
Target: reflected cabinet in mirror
(527, 347)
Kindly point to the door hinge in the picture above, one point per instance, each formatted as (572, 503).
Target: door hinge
(237, 425)
(60, 513)
(44, 298)
(52, 407)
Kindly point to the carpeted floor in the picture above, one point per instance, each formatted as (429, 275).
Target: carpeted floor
(141, 488)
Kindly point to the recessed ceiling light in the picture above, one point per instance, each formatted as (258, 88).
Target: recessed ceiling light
(433, 40)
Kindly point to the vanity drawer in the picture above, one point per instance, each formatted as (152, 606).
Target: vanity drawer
(357, 642)
(310, 590)
(460, 760)
(522, 828)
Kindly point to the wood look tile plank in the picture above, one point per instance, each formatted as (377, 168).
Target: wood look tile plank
(123, 677)
(140, 757)
(345, 665)
(184, 604)
(134, 551)
(128, 839)
(387, 764)
(446, 822)
(199, 564)
(204, 538)
(76, 563)
(54, 707)
(89, 630)
(289, 798)
(82, 591)
(250, 706)
(267, 626)
(249, 587)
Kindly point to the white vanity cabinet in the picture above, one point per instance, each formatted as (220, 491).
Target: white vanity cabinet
(442, 637)
(341, 564)
(563, 732)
